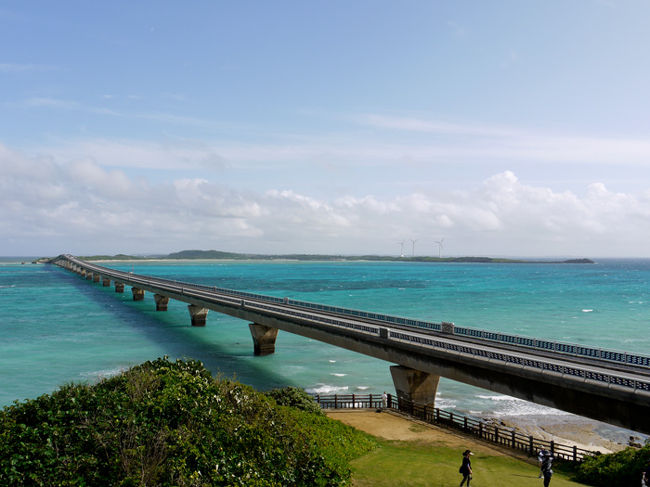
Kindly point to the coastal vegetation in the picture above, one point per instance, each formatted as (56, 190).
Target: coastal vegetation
(172, 423)
(621, 469)
(219, 255)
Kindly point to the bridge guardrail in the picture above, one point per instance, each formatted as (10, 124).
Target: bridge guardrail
(508, 437)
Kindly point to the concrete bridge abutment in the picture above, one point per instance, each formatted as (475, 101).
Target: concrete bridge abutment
(415, 385)
(161, 302)
(198, 314)
(119, 287)
(263, 338)
(138, 294)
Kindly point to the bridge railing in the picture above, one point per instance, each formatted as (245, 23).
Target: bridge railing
(492, 336)
(488, 431)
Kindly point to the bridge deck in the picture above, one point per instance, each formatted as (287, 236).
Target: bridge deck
(534, 373)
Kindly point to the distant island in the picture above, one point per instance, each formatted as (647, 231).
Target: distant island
(219, 255)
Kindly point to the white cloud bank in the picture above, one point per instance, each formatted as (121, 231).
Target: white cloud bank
(48, 207)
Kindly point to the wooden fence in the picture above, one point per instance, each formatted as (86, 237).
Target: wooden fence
(508, 437)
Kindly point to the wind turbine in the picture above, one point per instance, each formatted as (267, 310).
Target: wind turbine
(401, 244)
(413, 246)
(439, 243)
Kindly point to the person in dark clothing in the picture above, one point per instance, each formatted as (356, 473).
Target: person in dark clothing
(645, 476)
(466, 468)
(547, 463)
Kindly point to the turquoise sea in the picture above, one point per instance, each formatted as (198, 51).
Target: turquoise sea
(56, 327)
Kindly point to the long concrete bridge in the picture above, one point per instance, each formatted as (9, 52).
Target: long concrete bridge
(606, 385)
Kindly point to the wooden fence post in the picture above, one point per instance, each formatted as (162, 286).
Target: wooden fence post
(513, 438)
(496, 434)
(336, 401)
(480, 429)
(575, 453)
(530, 446)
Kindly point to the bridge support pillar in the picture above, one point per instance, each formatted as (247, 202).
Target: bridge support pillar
(119, 287)
(89, 275)
(161, 302)
(199, 315)
(96, 277)
(263, 338)
(138, 294)
(106, 282)
(414, 385)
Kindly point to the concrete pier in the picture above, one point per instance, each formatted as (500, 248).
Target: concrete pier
(106, 282)
(198, 314)
(119, 287)
(161, 302)
(138, 294)
(96, 277)
(263, 338)
(414, 385)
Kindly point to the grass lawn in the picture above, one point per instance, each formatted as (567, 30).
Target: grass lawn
(407, 463)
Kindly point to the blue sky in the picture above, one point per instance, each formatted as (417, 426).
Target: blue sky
(506, 127)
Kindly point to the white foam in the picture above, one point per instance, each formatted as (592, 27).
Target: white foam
(587, 310)
(332, 361)
(512, 406)
(104, 373)
(326, 389)
(339, 375)
(362, 388)
(4, 287)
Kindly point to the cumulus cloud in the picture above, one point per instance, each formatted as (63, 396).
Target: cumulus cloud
(48, 206)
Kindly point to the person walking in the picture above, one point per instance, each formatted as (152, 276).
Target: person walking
(466, 468)
(645, 476)
(540, 458)
(547, 471)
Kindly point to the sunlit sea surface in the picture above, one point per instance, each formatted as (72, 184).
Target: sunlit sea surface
(57, 328)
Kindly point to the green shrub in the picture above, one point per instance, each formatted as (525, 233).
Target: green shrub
(169, 423)
(619, 469)
(295, 397)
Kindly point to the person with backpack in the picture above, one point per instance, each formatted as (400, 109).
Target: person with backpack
(466, 468)
(547, 463)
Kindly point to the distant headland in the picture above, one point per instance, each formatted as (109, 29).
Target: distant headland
(219, 255)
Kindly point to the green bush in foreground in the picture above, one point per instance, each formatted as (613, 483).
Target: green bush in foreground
(619, 469)
(295, 397)
(171, 423)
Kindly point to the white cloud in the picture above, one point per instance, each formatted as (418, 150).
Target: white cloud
(49, 206)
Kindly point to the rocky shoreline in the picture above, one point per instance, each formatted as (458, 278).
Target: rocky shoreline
(569, 429)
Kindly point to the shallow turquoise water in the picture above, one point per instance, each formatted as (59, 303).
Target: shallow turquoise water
(56, 327)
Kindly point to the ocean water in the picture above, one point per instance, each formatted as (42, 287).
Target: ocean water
(57, 328)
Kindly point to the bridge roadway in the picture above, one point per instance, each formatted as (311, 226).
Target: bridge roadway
(615, 389)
